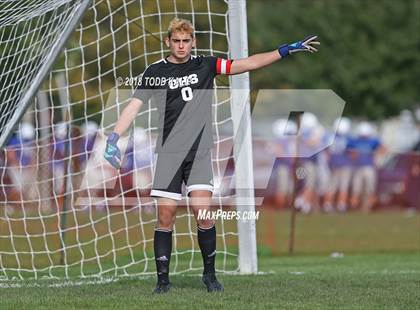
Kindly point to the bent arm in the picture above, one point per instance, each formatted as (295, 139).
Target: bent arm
(254, 62)
(127, 116)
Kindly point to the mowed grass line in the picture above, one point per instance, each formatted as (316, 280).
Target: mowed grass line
(375, 281)
(131, 233)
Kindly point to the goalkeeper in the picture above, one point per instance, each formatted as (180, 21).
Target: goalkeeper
(184, 150)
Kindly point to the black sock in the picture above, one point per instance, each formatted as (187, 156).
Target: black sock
(163, 249)
(207, 241)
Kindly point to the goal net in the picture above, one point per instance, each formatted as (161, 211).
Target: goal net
(68, 69)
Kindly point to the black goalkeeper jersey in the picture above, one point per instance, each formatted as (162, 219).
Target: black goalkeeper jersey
(183, 95)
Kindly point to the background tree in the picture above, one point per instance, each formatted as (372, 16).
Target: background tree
(370, 52)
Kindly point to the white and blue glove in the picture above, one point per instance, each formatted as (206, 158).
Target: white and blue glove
(306, 45)
(112, 153)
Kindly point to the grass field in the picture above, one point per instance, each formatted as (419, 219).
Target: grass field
(382, 281)
(375, 265)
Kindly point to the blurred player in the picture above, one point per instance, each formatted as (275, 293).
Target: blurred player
(3, 175)
(89, 130)
(284, 151)
(340, 166)
(142, 159)
(323, 172)
(58, 156)
(310, 140)
(82, 145)
(363, 149)
(98, 178)
(82, 141)
(137, 163)
(21, 162)
(413, 180)
(185, 73)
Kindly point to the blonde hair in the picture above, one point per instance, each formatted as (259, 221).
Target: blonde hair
(180, 24)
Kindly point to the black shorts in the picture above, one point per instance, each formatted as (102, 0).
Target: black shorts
(193, 168)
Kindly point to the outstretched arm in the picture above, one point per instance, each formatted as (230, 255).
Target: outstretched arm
(264, 59)
(254, 62)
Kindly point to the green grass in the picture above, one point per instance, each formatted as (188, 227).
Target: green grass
(379, 267)
(382, 281)
(354, 232)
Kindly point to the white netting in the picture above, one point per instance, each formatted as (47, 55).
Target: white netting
(28, 32)
(63, 213)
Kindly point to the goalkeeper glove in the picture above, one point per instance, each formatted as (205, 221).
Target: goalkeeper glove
(306, 45)
(112, 152)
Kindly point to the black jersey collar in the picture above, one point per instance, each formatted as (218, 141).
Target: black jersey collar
(175, 64)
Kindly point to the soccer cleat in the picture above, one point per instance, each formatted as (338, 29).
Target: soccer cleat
(162, 288)
(210, 281)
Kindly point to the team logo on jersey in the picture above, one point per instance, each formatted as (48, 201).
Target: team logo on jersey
(186, 80)
(173, 82)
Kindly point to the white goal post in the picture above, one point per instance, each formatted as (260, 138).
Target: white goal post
(68, 68)
(241, 115)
